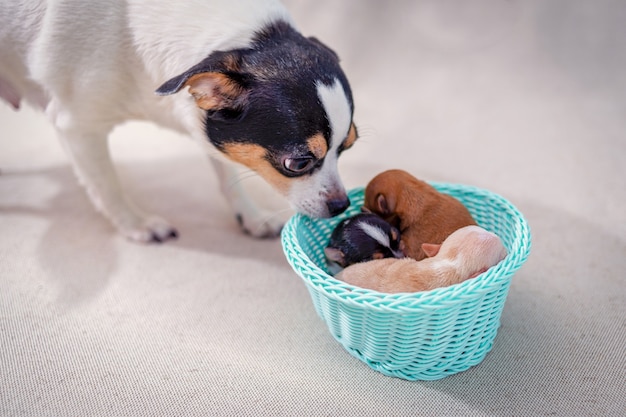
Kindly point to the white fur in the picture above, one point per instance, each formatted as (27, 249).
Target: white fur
(88, 87)
(376, 233)
(326, 180)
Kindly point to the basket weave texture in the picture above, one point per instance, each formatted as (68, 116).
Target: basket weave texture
(415, 336)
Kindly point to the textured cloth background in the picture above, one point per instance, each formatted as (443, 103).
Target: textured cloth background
(526, 98)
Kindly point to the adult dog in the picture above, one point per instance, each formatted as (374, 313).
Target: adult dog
(234, 74)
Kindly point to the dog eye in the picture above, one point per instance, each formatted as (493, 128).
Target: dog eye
(298, 165)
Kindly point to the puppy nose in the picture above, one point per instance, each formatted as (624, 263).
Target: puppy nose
(337, 206)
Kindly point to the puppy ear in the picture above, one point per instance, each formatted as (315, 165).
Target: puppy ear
(384, 205)
(216, 83)
(335, 255)
(431, 249)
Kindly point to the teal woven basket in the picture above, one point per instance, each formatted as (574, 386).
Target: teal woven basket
(414, 336)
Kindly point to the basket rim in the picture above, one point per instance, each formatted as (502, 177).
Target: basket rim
(408, 302)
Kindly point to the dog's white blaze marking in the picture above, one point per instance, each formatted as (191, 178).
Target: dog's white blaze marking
(310, 196)
(376, 233)
(337, 108)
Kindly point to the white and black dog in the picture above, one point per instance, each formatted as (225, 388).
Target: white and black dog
(234, 74)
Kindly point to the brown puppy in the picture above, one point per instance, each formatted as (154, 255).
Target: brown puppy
(418, 210)
(465, 254)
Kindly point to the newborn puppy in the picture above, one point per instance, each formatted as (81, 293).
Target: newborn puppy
(360, 238)
(465, 254)
(418, 210)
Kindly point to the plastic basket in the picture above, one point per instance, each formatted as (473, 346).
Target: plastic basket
(415, 336)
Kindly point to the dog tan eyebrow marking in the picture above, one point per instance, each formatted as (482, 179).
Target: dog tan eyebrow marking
(317, 145)
(351, 138)
(255, 157)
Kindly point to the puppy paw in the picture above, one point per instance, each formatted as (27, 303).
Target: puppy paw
(266, 226)
(150, 230)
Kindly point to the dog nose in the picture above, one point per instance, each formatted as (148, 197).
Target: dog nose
(337, 206)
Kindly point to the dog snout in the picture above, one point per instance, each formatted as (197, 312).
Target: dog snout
(337, 205)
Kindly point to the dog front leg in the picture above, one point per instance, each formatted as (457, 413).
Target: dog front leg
(92, 163)
(252, 219)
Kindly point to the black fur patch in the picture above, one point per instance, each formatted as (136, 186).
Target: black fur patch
(356, 245)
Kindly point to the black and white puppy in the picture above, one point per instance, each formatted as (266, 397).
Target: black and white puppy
(234, 74)
(360, 238)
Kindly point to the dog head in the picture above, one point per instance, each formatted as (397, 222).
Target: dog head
(282, 107)
(361, 238)
(393, 194)
(472, 249)
(416, 208)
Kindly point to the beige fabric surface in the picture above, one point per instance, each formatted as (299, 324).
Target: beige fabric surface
(525, 98)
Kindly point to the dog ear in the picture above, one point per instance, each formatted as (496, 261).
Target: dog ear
(216, 83)
(385, 206)
(317, 42)
(431, 249)
(335, 255)
(216, 91)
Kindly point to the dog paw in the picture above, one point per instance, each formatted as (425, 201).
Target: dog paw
(150, 230)
(263, 227)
